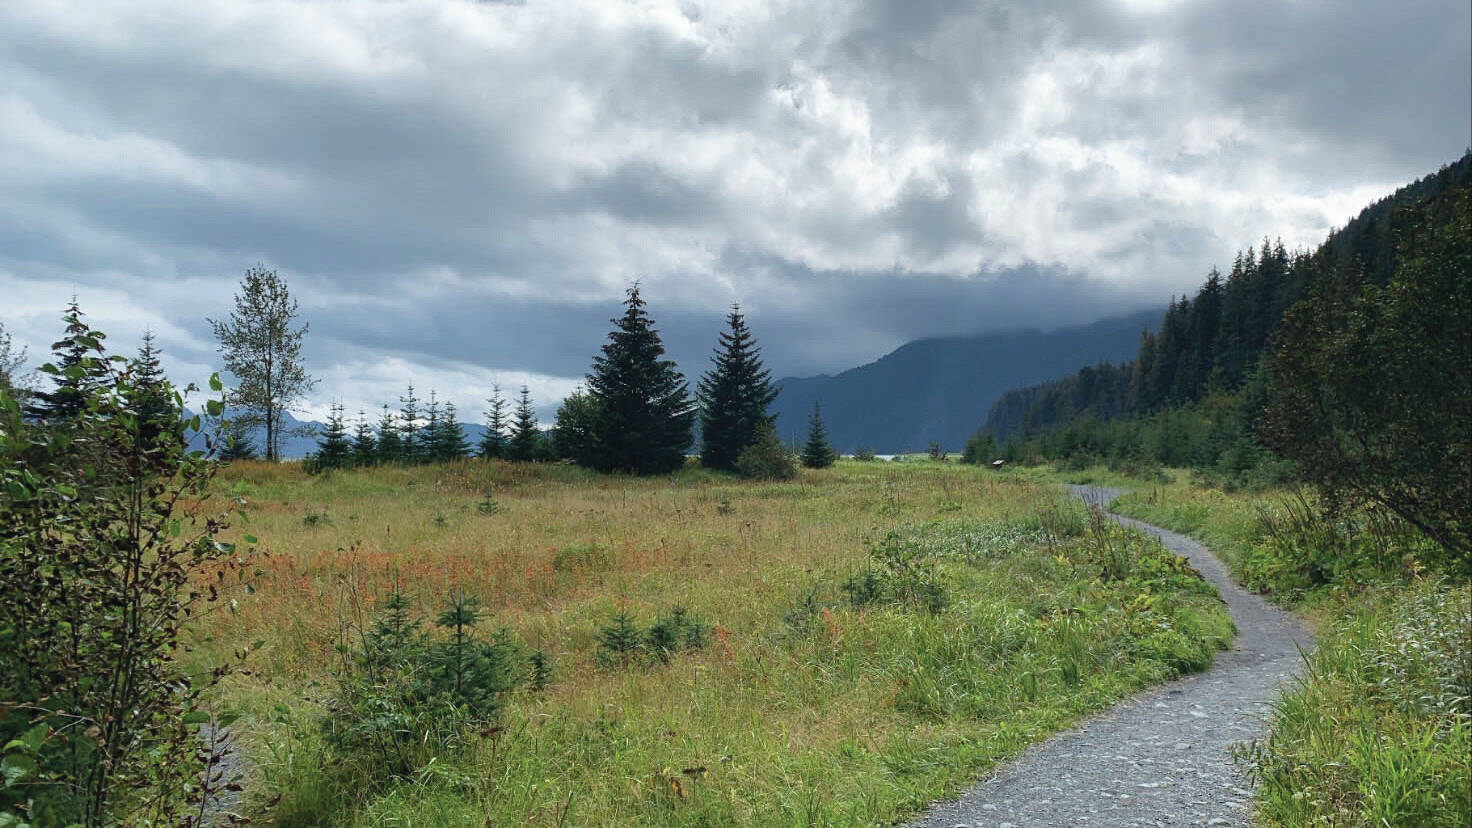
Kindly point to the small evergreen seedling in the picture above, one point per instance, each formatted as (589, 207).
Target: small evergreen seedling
(539, 672)
(619, 640)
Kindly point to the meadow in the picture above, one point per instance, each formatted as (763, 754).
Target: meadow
(873, 636)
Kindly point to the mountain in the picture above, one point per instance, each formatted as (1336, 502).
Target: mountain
(940, 389)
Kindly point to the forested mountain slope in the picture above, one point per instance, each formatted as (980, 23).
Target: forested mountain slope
(1208, 348)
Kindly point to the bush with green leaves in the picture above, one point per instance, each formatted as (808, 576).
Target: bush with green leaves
(405, 696)
(102, 571)
(767, 458)
(901, 573)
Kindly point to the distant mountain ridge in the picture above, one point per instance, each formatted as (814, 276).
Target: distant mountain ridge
(940, 389)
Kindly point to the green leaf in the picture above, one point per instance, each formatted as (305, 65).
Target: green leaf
(214, 407)
(35, 737)
(196, 717)
(15, 768)
(215, 384)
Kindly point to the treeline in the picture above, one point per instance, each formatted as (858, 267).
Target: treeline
(634, 413)
(1196, 392)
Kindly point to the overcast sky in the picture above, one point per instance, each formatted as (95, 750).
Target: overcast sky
(459, 192)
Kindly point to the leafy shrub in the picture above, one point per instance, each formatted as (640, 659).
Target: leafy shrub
(864, 454)
(403, 697)
(101, 575)
(898, 573)
(766, 459)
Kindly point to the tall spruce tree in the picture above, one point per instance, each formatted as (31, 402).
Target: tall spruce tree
(333, 447)
(262, 346)
(448, 439)
(365, 445)
(410, 449)
(76, 369)
(493, 442)
(390, 445)
(159, 412)
(644, 408)
(733, 396)
(817, 452)
(525, 436)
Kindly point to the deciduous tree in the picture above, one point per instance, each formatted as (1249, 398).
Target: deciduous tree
(262, 346)
(1371, 386)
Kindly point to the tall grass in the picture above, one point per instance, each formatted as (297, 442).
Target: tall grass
(802, 707)
(1376, 730)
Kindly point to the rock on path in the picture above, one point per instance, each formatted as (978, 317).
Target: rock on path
(1160, 758)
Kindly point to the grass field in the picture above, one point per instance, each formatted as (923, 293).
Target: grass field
(803, 707)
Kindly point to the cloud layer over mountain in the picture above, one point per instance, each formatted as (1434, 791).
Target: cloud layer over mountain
(460, 192)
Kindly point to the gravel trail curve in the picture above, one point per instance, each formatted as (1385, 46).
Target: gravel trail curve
(1158, 758)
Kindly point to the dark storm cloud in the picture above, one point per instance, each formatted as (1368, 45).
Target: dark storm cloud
(460, 192)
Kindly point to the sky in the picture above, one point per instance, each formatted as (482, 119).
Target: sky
(460, 193)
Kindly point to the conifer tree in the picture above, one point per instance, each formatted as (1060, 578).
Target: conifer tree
(733, 396)
(448, 441)
(263, 350)
(525, 435)
(333, 447)
(390, 445)
(74, 371)
(409, 448)
(644, 408)
(237, 443)
(429, 434)
(158, 411)
(493, 443)
(817, 453)
(365, 445)
(572, 433)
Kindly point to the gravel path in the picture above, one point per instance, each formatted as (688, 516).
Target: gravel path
(1161, 757)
